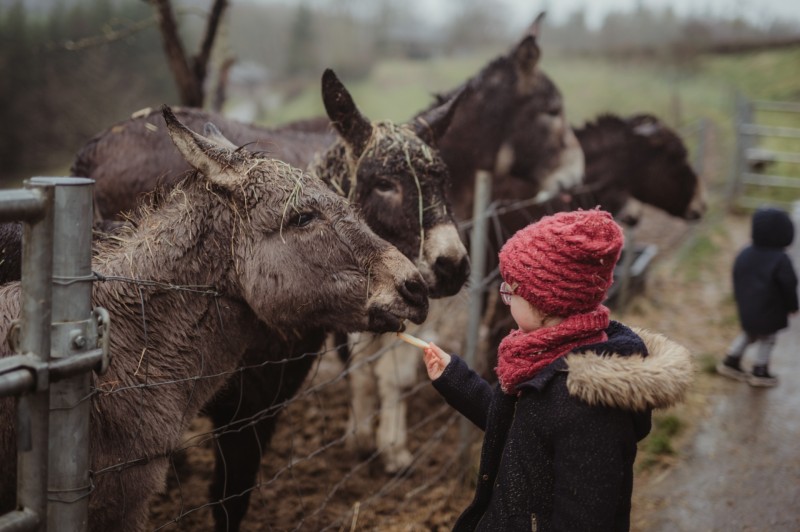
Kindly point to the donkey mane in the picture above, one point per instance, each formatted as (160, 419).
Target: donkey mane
(339, 167)
(606, 131)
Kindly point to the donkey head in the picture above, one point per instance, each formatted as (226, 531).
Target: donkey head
(512, 123)
(301, 256)
(396, 177)
(664, 176)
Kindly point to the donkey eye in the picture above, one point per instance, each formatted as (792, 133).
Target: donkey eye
(385, 185)
(554, 110)
(302, 219)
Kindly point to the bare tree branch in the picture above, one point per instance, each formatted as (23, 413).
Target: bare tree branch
(189, 89)
(110, 34)
(222, 84)
(201, 59)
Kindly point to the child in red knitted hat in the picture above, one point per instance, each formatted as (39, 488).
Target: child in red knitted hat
(575, 389)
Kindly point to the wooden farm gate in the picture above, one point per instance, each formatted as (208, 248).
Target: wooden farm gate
(767, 153)
(57, 341)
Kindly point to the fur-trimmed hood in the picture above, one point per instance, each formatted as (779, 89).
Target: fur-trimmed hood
(636, 383)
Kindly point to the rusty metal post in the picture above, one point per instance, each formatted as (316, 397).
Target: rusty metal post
(73, 332)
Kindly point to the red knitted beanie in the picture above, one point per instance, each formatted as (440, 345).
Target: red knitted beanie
(563, 264)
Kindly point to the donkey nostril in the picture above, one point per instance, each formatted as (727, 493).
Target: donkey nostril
(450, 268)
(414, 291)
(463, 268)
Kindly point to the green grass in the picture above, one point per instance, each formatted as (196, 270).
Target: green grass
(659, 443)
(695, 256)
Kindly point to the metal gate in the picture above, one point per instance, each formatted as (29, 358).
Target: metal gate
(57, 340)
(764, 131)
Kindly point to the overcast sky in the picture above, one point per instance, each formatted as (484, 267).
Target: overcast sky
(523, 11)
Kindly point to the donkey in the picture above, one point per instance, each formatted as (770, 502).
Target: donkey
(393, 173)
(633, 161)
(276, 249)
(629, 162)
(512, 124)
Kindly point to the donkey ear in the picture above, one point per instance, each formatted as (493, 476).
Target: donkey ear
(644, 125)
(536, 26)
(526, 57)
(213, 160)
(647, 129)
(213, 133)
(354, 128)
(432, 125)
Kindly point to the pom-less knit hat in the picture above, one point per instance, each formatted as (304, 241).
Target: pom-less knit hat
(563, 264)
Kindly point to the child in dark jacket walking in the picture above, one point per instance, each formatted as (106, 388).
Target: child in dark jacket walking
(765, 289)
(575, 389)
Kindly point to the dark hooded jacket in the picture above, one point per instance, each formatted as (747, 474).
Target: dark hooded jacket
(764, 280)
(559, 455)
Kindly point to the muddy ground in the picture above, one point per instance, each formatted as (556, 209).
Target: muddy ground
(310, 481)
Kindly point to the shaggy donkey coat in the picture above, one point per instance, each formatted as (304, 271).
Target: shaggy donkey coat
(559, 455)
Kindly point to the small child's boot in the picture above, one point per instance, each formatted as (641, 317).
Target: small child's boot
(731, 367)
(761, 377)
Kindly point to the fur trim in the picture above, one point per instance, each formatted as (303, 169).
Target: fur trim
(633, 382)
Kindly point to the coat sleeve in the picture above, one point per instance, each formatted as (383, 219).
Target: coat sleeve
(788, 281)
(465, 390)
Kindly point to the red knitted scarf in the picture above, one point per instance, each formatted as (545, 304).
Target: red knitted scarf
(522, 355)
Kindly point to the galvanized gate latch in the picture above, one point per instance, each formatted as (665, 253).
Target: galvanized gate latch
(68, 354)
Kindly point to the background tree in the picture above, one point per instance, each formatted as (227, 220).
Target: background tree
(189, 73)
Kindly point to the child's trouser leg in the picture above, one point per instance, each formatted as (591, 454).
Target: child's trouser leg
(739, 344)
(731, 366)
(765, 343)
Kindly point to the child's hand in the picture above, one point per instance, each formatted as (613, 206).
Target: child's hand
(435, 361)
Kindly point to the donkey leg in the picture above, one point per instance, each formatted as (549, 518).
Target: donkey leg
(248, 408)
(360, 437)
(396, 373)
(237, 459)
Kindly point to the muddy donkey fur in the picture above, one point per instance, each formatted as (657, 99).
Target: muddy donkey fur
(278, 249)
(391, 172)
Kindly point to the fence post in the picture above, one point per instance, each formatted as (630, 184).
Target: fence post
(476, 278)
(743, 114)
(626, 264)
(74, 330)
(700, 154)
(33, 408)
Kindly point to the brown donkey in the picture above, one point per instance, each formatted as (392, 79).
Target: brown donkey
(277, 250)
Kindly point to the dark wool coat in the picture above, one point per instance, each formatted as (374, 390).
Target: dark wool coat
(560, 455)
(764, 280)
